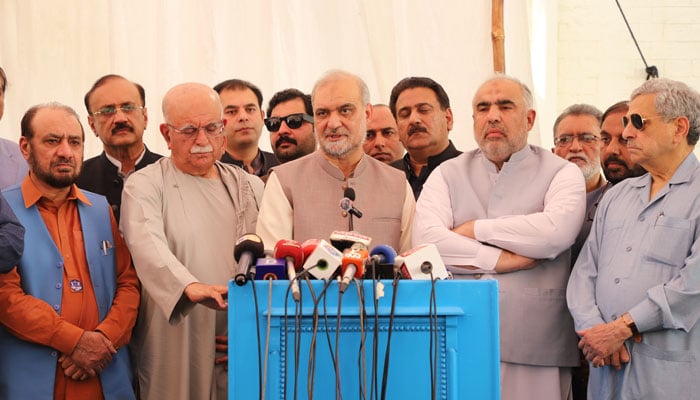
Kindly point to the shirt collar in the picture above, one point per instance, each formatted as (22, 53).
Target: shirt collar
(33, 194)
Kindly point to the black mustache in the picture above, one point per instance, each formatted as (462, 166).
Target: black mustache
(121, 126)
(614, 158)
(284, 139)
(416, 128)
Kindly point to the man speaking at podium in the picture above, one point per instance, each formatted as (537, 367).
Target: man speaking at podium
(510, 211)
(302, 196)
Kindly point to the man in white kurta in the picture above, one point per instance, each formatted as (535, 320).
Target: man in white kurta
(181, 217)
(510, 211)
(634, 291)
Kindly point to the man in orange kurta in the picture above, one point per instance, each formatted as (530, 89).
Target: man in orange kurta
(84, 344)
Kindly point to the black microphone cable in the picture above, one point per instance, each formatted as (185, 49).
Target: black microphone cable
(285, 359)
(362, 357)
(374, 390)
(434, 332)
(257, 329)
(336, 362)
(311, 367)
(385, 373)
(267, 338)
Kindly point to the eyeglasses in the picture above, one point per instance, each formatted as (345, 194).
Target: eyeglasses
(637, 120)
(293, 121)
(567, 140)
(109, 111)
(212, 130)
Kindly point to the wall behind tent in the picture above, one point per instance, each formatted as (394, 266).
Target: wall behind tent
(598, 62)
(54, 51)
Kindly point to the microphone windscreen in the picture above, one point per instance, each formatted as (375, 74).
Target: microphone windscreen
(386, 254)
(349, 193)
(324, 262)
(308, 247)
(249, 242)
(411, 262)
(290, 248)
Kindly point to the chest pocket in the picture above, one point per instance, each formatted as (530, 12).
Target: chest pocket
(670, 241)
(612, 237)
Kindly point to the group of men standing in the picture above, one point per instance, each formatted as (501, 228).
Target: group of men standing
(507, 210)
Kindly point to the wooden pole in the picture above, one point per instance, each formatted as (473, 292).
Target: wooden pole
(498, 36)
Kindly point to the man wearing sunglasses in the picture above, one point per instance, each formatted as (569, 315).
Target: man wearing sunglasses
(117, 115)
(244, 116)
(302, 197)
(633, 292)
(614, 156)
(291, 125)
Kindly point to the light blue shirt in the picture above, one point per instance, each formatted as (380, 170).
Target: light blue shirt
(642, 257)
(13, 167)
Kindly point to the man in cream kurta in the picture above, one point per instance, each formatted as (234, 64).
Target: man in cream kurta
(510, 211)
(181, 217)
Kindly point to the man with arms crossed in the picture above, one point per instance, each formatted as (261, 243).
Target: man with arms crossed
(510, 211)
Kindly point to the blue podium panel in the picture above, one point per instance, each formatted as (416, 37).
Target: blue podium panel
(453, 349)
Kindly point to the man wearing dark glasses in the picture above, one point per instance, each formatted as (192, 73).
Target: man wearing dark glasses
(614, 156)
(117, 115)
(633, 292)
(243, 115)
(291, 125)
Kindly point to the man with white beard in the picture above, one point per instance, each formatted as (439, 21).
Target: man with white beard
(577, 139)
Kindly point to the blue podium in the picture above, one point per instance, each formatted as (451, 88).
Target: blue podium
(450, 346)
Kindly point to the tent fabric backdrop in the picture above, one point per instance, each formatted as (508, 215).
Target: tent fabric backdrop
(54, 51)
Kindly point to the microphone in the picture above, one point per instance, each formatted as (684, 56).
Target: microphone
(343, 240)
(418, 262)
(248, 248)
(324, 261)
(347, 202)
(270, 268)
(309, 246)
(353, 265)
(292, 252)
(381, 262)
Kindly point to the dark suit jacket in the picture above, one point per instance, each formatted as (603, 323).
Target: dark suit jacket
(100, 176)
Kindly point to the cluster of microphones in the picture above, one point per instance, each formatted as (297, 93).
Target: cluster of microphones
(347, 256)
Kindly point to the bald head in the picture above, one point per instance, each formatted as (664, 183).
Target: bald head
(193, 128)
(183, 98)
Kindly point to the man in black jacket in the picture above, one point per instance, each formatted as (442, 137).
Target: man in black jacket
(117, 115)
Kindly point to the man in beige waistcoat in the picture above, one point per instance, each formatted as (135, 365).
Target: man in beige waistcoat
(302, 197)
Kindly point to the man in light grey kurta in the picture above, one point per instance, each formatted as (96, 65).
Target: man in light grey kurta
(181, 217)
(510, 211)
(634, 291)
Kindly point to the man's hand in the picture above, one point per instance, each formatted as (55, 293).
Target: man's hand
(93, 352)
(511, 262)
(211, 296)
(600, 342)
(619, 357)
(73, 371)
(222, 347)
(466, 229)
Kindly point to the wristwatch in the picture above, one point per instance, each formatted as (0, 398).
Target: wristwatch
(629, 322)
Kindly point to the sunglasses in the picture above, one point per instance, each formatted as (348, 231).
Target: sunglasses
(636, 120)
(293, 121)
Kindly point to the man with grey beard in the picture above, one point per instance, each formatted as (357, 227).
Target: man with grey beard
(577, 139)
(301, 196)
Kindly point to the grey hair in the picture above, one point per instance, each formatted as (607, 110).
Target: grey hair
(578, 109)
(337, 73)
(674, 99)
(527, 93)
